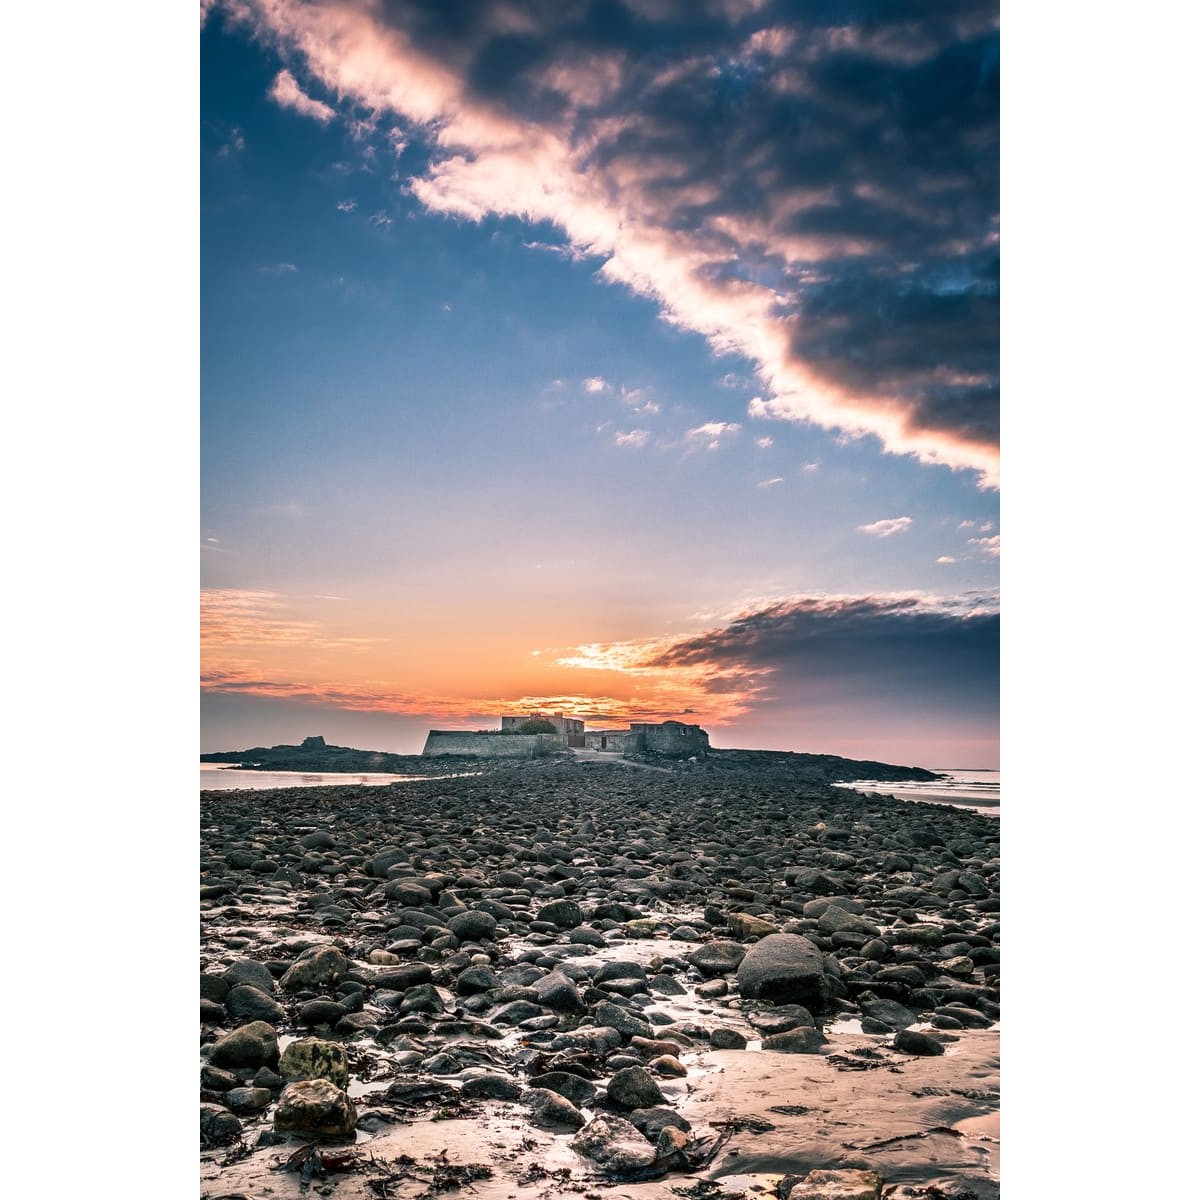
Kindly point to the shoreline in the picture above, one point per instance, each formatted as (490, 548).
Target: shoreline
(663, 869)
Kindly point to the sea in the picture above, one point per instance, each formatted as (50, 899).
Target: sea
(219, 777)
(974, 789)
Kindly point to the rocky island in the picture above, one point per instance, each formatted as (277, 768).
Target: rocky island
(713, 979)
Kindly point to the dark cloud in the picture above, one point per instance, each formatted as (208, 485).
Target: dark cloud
(898, 650)
(813, 183)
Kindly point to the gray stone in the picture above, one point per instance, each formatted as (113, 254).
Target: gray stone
(831, 1185)
(248, 1099)
(581, 1092)
(250, 971)
(315, 1106)
(805, 1040)
(909, 1041)
(626, 1023)
(550, 1108)
(253, 1004)
(614, 1144)
(254, 1045)
(634, 1087)
(491, 1087)
(718, 957)
(318, 967)
(218, 1126)
(723, 1038)
(785, 968)
(566, 914)
(473, 926)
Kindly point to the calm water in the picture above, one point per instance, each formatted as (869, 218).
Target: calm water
(217, 776)
(977, 790)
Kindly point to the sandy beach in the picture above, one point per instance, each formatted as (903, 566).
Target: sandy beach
(725, 978)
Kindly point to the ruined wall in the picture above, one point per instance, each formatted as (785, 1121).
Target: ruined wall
(492, 745)
(616, 740)
(671, 738)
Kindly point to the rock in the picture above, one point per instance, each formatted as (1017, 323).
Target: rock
(558, 992)
(318, 967)
(745, 925)
(315, 1106)
(634, 1087)
(320, 1012)
(473, 926)
(785, 968)
(668, 1066)
(566, 914)
(724, 1038)
(887, 1014)
(669, 1143)
(218, 1126)
(211, 1013)
(805, 1040)
(650, 1122)
(550, 1108)
(318, 840)
(213, 1079)
(831, 1185)
(615, 1144)
(837, 920)
(491, 1087)
(626, 1023)
(476, 979)
(717, 957)
(248, 1099)
(581, 1092)
(909, 1041)
(250, 971)
(314, 1058)
(253, 1004)
(402, 978)
(615, 972)
(254, 1045)
(214, 987)
(781, 1019)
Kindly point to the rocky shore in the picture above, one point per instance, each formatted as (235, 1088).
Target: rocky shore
(717, 979)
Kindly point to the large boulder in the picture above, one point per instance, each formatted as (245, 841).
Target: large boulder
(315, 1106)
(254, 1045)
(615, 1144)
(318, 967)
(315, 1058)
(786, 968)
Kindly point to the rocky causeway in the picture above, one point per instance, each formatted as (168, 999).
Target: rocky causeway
(716, 979)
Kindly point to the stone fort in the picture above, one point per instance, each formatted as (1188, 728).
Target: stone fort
(532, 735)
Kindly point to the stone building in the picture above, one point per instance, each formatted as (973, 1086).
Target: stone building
(571, 726)
(671, 739)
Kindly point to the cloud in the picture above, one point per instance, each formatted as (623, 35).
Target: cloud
(286, 92)
(713, 434)
(635, 437)
(763, 442)
(895, 653)
(946, 559)
(347, 206)
(812, 187)
(283, 268)
(595, 385)
(766, 483)
(989, 545)
(887, 527)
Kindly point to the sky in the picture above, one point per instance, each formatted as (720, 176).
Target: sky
(631, 360)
